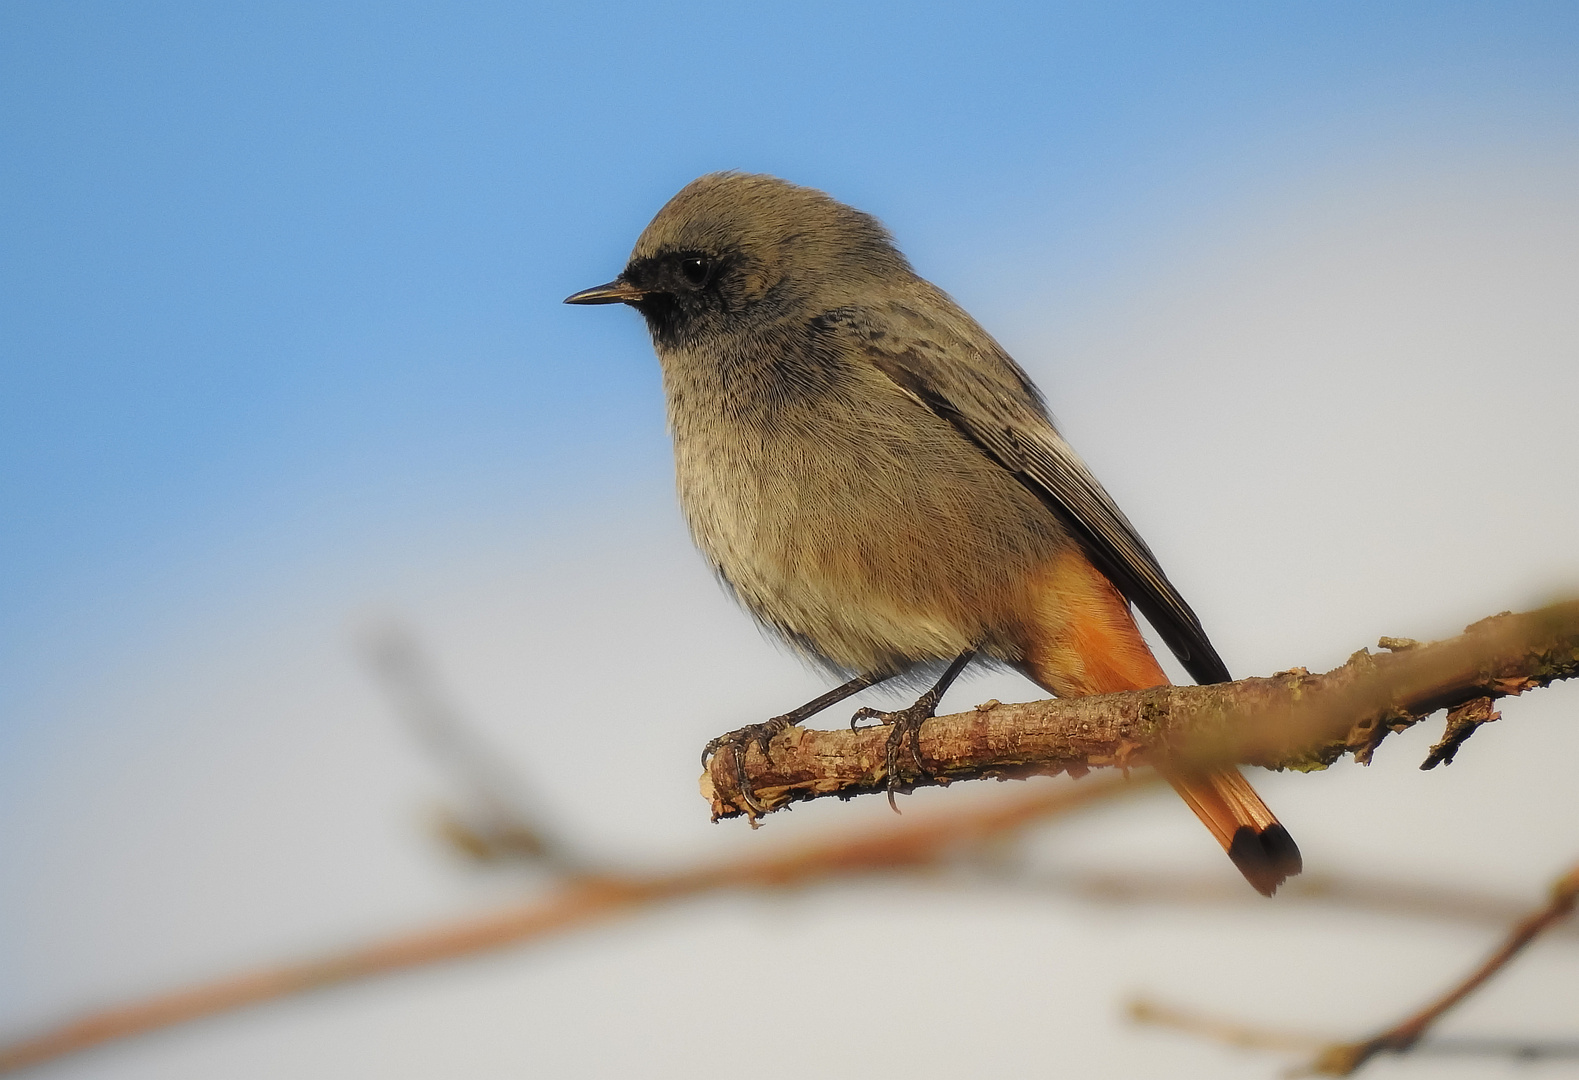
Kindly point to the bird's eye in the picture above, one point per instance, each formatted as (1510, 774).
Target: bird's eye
(695, 270)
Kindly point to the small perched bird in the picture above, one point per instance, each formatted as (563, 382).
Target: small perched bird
(879, 483)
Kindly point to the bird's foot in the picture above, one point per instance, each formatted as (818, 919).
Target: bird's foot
(760, 734)
(735, 742)
(906, 730)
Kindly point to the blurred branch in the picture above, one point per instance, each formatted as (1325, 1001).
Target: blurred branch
(1300, 721)
(1220, 1029)
(1293, 720)
(1253, 1037)
(499, 823)
(578, 902)
(912, 844)
(1345, 1058)
(1352, 892)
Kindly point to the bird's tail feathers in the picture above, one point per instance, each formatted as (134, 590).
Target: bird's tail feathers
(1225, 802)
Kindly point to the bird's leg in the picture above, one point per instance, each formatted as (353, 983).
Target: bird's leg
(737, 741)
(907, 722)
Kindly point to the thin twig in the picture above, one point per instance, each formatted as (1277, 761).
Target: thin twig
(1254, 1037)
(1461, 724)
(1224, 889)
(907, 844)
(1294, 720)
(1343, 1059)
(1219, 1029)
(500, 823)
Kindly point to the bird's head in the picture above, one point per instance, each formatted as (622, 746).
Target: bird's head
(732, 251)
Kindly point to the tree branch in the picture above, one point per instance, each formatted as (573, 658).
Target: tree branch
(1219, 1029)
(1344, 1059)
(497, 820)
(1331, 889)
(1254, 1037)
(576, 903)
(1293, 720)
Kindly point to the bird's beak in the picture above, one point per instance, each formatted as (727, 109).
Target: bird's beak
(618, 291)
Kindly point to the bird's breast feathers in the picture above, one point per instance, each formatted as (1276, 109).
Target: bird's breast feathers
(844, 513)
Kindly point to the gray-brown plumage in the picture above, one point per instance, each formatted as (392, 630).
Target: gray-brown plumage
(878, 481)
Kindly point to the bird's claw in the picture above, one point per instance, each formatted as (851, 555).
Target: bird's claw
(906, 729)
(736, 742)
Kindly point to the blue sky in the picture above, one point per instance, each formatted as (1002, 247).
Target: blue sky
(276, 273)
(281, 343)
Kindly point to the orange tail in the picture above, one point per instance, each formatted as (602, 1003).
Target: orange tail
(1226, 804)
(1084, 640)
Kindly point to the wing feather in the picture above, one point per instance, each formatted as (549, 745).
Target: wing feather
(994, 405)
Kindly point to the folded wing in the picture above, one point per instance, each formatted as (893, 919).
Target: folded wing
(961, 374)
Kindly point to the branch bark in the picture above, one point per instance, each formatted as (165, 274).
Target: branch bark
(1293, 720)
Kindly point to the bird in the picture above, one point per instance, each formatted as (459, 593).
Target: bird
(881, 485)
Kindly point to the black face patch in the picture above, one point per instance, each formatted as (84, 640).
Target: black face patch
(686, 291)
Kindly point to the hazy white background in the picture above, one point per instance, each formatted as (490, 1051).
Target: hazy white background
(1330, 373)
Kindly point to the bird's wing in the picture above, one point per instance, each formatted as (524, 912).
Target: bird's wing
(954, 368)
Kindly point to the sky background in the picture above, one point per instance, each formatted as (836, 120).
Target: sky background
(282, 357)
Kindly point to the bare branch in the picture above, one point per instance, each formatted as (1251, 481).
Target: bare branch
(499, 823)
(1346, 1058)
(1293, 720)
(1401, 899)
(1218, 1029)
(1254, 1037)
(908, 844)
(1343, 1059)
(1300, 721)
(1461, 724)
